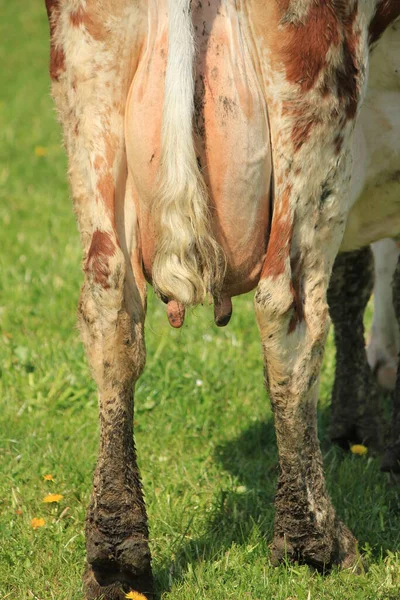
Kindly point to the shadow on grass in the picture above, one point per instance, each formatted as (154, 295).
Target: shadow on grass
(359, 491)
(252, 460)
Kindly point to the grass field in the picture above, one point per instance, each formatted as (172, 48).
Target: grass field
(203, 423)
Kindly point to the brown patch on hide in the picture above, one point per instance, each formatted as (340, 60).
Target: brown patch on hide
(347, 74)
(77, 17)
(50, 5)
(284, 4)
(338, 144)
(105, 181)
(101, 249)
(303, 125)
(57, 56)
(90, 20)
(386, 12)
(303, 48)
(280, 238)
(106, 187)
(111, 148)
(297, 292)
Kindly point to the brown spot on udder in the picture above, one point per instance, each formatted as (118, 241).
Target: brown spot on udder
(101, 249)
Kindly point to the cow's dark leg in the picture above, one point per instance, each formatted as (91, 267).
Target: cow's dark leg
(356, 412)
(391, 459)
(92, 64)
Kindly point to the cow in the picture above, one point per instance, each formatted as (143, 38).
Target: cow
(375, 183)
(363, 373)
(210, 147)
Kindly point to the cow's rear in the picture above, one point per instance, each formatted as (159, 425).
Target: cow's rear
(198, 154)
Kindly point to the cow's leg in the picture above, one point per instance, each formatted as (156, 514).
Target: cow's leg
(355, 398)
(293, 333)
(293, 318)
(111, 318)
(384, 341)
(111, 321)
(391, 460)
(93, 52)
(314, 73)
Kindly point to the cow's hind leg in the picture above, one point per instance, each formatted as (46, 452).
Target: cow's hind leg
(312, 115)
(391, 460)
(92, 64)
(356, 412)
(111, 321)
(293, 318)
(306, 526)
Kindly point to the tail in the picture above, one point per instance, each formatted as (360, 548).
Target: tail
(188, 261)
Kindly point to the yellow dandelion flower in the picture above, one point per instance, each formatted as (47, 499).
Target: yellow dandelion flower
(135, 596)
(48, 477)
(52, 498)
(35, 523)
(359, 449)
(40, 151)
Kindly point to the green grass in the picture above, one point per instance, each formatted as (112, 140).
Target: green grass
(207, 452)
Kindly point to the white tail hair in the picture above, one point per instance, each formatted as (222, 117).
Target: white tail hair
(188, 261)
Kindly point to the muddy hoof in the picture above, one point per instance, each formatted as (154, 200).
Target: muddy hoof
(319, 551)
(118, 586)
(116, 563)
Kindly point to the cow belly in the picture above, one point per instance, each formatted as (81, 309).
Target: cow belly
(375, 197)
(375, 213)
(230, 134)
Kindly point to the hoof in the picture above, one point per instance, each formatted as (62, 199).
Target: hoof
(116, 564)
(117, 587)
(320, 550)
